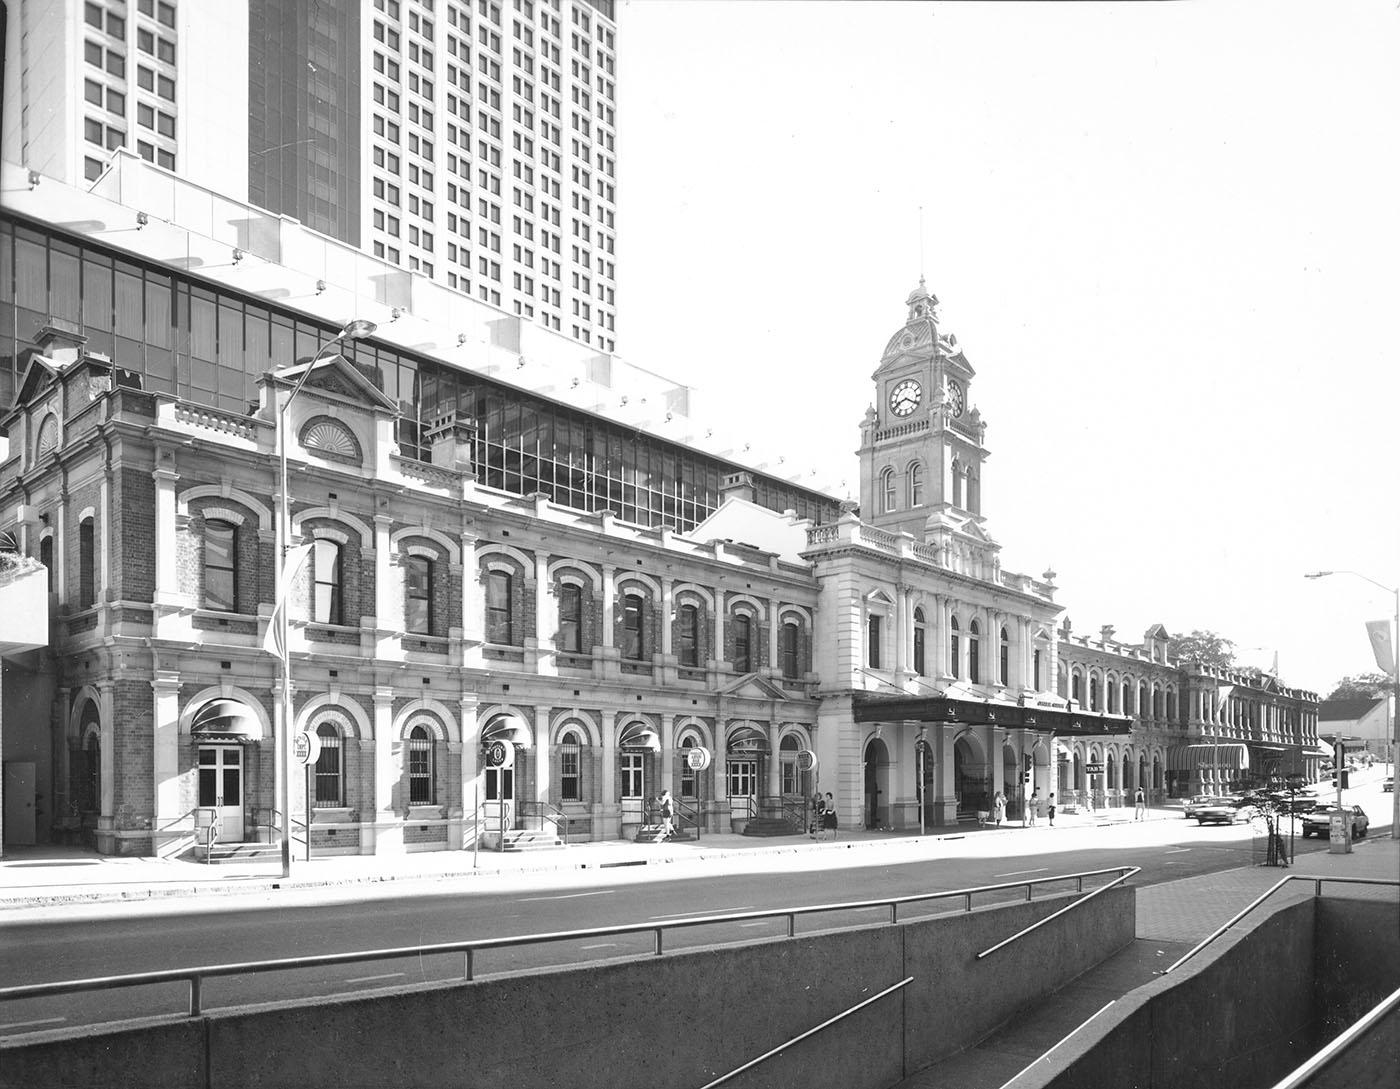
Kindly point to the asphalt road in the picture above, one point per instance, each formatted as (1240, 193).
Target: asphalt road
(126, 938)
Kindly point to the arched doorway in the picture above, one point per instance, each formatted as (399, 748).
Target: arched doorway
(1011, 780)
(876, 810)
(971, 776)
(746, 758)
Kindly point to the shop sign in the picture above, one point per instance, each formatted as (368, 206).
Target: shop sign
(698, 758)
(306, 747)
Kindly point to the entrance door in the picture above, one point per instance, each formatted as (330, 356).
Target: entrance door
(743, 789)
(19, 803)
(499, 810)
(631, 767)
(221, 787)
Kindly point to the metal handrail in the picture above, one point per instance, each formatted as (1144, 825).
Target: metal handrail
(1055, 915)
(1324, 1057)
(1317, 891)
(547, 811)
(196, 976)
(810, 1032)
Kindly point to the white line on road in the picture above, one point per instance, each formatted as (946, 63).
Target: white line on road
(600, 945)
(695, 914)
(372, 979)
(566, 896)
(30, 1024)
(1177, 850)
(1018, 873)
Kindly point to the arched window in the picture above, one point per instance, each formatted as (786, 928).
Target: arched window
(688, 774)
(1143, 706)
(872, 641)
(570, 618)
(743, 640)
(1156, 702)
(974, 492)
(974, 652)
(46, 558)
(1111, 691)
(1171, 705)
(632, 627)
(1127, 705)
(571, 767)
(499, 626)
(953, 648)
(1075, 688)
(90, 782)
(920, 634)
(888, 500)
(220, 565)
(1035, 663)
(1093, 693)
(791, 662)
(330, 770)
(418, 595)
(957, 483)
(420, 766)
(325, 563)
(688, 643)
(916, 485)
(1005, 674)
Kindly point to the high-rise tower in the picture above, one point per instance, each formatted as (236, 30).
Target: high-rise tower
(469, 141)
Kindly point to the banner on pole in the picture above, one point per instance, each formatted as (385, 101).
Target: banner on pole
(1381, 646)
(272, 641)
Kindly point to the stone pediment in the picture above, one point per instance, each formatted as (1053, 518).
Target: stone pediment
(753, 687)
(335, 377)
(40, 373)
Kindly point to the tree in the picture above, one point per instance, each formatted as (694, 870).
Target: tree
(1362, 686)
(1205, 647)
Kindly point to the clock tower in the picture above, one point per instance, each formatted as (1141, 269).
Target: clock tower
(921, 450)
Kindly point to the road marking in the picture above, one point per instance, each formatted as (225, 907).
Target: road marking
(697, 914)
(30, 1024)
(600, 945)
(1177, 850)
(566, 896)
(1018, 873)
(372, 979)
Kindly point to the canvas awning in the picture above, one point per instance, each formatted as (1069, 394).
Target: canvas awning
(226, 720)
(511, 729)
(639, 737)
(747, 739)
(878, 707)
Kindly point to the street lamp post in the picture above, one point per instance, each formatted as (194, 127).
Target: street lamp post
(1394, 691)
(282, 724)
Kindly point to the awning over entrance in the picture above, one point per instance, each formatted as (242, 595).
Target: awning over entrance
(226, 720)
(639, 737)
(747, 739)
(511, 729)
(877, 707)
(1226, 754)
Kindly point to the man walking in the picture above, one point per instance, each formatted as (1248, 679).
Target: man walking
(1139, 805)
(668, 811)
(1033, 806)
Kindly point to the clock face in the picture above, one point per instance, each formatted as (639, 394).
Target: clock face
(955, 398)
(904, 398)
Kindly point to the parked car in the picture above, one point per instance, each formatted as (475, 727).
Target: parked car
(1318, 822)
(1225, 810)
(1388, 784)
(1196, 801)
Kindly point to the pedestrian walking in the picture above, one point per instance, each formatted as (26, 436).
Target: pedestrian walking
(829, 815)
(1033, 806)
(999, 807)
(1050, 809)
(668, 812)
(815, 829)
(1139, 805)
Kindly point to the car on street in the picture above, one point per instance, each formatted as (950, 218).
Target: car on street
(1388, 784)
(1196, 801)
(1224, 810)
(1318, 822)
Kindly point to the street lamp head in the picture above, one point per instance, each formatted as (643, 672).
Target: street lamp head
(1317, 574)
(354, 330)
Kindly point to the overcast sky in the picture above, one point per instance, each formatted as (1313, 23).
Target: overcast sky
(1166, 236)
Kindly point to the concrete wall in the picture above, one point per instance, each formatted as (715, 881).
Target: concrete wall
(681, 1019)
(1358, 960)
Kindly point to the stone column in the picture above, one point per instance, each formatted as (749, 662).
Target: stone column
(546, 618)
(389, 835)
(167, 571)
(471, 755)
(774, 786)
(473, 606)
(166, 712)
(608, 813)
(388, 592)
(542, 753)
(668, 754)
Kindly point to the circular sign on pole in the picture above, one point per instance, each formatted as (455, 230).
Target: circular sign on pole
(806, 760)
(698, 758)
(306, 747)
(500, 754)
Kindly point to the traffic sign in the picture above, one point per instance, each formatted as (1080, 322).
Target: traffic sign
(1093, 769)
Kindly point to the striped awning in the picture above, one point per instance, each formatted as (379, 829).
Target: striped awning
(747, 739)
(226, 720)
(511, 729)
(1226, 754)
(639, 737)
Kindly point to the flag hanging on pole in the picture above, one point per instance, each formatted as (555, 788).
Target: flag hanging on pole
(272, 641)
(1222, 707)
(1379, 631)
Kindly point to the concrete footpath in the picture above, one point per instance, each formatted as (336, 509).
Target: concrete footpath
(41, 880)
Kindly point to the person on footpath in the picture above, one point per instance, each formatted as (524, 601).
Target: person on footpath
(818, 825)
(829, 816)
(999, 807)
(668, 811)
(1050, 808)
(1139, 806)
(1033, 806)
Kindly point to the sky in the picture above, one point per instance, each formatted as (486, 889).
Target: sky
(1165, 235)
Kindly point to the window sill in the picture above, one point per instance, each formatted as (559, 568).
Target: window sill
(331, 815)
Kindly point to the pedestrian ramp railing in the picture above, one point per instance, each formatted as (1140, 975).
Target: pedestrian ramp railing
(471, 950)
(1317, 883)
(1314, 1070)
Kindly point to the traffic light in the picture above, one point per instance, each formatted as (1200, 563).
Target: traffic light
(1026, 777)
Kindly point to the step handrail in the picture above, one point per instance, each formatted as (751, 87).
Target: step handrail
(1323, 1058)
(1317, 891)
(547, 811)
(1055, 915)
(196, 976)
(810, 1032)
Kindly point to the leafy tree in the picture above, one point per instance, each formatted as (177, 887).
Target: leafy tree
(1205, 647)
(1362, 686)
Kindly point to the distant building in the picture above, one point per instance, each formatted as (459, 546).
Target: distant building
(472, 143)
(1363, 725)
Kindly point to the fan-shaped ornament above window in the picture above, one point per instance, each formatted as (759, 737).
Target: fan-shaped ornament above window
(331, 439)
(48, 437)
